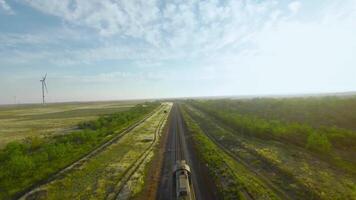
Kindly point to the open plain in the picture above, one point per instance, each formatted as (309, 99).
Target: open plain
(235, 149)
(21, 121)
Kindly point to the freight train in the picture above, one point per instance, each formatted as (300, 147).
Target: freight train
(182, 181)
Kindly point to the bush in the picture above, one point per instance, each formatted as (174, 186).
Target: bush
(318, 142)
(20, 165)
(34, 142)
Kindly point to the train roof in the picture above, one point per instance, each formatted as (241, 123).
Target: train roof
(181, 165)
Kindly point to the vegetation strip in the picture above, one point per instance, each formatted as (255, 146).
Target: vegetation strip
(89, 155)
(82, 136)
(152, 178)
(138, 163)
(21, 121)
(301, 173)
(99, 175)
(224, 170)
(323, 126)
(275, 188)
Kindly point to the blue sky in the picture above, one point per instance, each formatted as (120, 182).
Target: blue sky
(111, 49)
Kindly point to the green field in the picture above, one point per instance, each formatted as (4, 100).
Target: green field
(233, 180)
(99, 176)
(21, 121)
(302, 148)
(24, 163)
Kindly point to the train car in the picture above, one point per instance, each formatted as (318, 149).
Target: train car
(183, 186)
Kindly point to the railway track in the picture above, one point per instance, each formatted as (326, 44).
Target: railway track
(118, 191)
(175, 151)
(179, 147)
(82, 160)
(179, 151)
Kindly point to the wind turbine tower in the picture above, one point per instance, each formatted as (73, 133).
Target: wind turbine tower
(44, 86)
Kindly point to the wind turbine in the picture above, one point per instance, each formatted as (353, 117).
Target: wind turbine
(44, 86)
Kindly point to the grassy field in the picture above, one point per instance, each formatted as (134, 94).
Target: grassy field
(323, 126)
(21, 121)
(233, 180)
(24, 163)
(303, 146)
(99, 177)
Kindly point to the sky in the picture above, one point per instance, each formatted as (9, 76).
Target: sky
(113, 49)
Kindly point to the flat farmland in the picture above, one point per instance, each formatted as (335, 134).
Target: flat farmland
(116, 172)
(293, 148)
(26, 164)
(21, 121)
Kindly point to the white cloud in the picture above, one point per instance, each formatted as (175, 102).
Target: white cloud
(148, 30)
(6, 8)
(295, 6)
(230, 46)
(172, 30)
(106, 16)
(163, 24)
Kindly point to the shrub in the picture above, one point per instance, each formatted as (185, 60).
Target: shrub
(20, 165)
(34, 142)
(318, 142)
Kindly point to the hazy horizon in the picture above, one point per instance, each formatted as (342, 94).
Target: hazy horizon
(296, 95)
(119, 50)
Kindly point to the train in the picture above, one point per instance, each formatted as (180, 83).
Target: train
(182, 181)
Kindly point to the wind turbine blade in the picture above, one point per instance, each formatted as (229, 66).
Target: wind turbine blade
(44, 78)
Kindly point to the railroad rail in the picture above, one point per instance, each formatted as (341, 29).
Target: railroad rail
(181, 171)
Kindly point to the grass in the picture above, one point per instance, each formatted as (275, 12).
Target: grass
(296, 121)
(24, 163)
(314, 111)
(232, 179)
(140, 179)
(296, 168)
(21, 121)
(99, 176)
